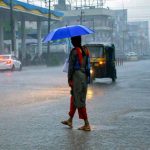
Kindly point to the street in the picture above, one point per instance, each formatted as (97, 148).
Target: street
(34, 101)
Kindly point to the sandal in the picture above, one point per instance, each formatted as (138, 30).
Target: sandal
(68, 123)
(85, 128)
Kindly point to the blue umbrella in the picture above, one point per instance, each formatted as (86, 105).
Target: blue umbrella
(67, 32)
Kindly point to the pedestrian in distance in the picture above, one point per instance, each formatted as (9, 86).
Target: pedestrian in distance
(78, 79)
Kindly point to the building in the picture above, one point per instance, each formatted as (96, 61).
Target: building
(97, 19)
(120, 31)
(110, 26)
(138, 37)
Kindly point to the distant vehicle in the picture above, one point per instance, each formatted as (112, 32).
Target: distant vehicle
(10, 62)
(132, 56)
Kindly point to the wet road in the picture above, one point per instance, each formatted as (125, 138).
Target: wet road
(35, 100)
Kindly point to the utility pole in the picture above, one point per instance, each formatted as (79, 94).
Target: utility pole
(85, 3)
(81, 17)
(12, 26)
(76, 4)
(124, 28)
(93, 29)
(49, 28)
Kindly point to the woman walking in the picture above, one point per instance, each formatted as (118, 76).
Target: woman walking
(78, 79)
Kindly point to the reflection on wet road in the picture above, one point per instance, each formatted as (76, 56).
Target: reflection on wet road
(30, 86)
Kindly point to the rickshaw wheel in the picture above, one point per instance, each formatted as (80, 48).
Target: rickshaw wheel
(113, 79)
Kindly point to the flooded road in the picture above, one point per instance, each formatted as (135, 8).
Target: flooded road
(34, 101)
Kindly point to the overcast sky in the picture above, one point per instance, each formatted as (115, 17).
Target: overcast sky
(137, 9)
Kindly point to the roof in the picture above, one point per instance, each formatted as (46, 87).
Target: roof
(22, 6)
(98, 43)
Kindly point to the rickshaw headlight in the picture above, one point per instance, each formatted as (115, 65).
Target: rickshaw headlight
(91, 71)
(101, 62)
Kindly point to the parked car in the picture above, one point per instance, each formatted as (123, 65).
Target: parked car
(132, 56)
(10, 62)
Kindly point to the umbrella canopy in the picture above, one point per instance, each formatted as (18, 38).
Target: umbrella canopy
(67, 32)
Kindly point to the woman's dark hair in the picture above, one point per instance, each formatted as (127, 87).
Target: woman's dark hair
(76, 41)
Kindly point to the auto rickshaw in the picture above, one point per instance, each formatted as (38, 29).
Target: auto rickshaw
(102, 59)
